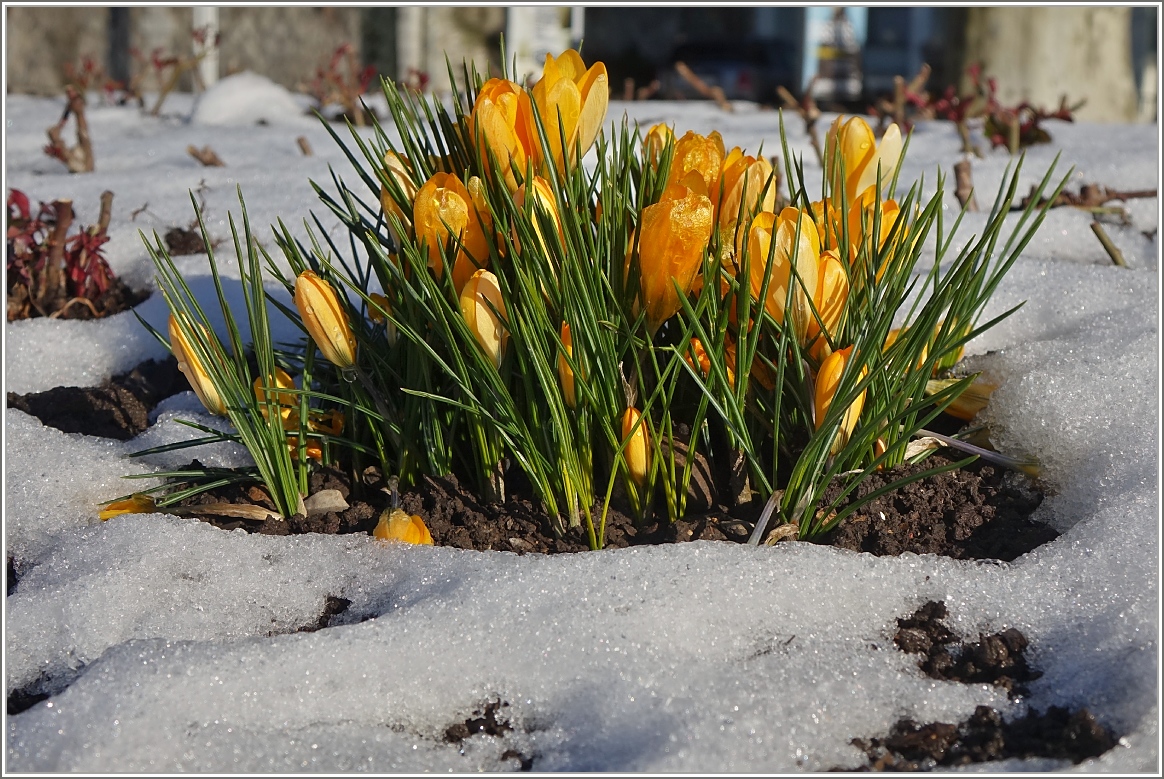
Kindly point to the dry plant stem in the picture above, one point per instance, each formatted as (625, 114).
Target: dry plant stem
(96, 230)
(714, 93)
(967, 146)
(628, 89)
(79, 158)
(899, 101)
(1091, 196)
(304, 145)
(964, 188)
(809, 112)
(649, 91)
(83, 301)
(1112, 250)
(180, 66)
(206, 156)
(53, 279)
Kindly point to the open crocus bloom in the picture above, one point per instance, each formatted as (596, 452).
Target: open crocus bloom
(396, 525)
(675, 233)
(325, 319)
(444, 207)
(572, 102)
(827, 380)
(777, 235)
(860, 155)
(701, 153)
(487, 327)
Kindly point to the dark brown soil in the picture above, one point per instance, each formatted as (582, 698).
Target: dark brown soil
(997, 659)
(485, 720)
(181, 241)
(1056, 733)
(977, 512)
(117, 298)
(118, 409)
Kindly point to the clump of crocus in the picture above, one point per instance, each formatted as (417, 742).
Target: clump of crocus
(192, 367)
(396, 525)
(484, 313)
(860, 156)
(325, 319)
(827, 381)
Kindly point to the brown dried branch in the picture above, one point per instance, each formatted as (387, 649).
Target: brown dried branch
(1112, 250)
(713, 93)
(649, 91)
(809, 112)
(1090, 196)
(206, 156)
(628, 89)
(964, 186)
(52, 286)
(304, 145)
(79, 158)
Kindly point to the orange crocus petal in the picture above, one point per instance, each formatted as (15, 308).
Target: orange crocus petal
(565, 372)
(193, 369)
(138, 503)
(655, 141)
(487, 327)
(767, 228)
(703, 153)
(832, 291)
(396, 525)
(743, 182)
(325, 319)
(501, 124)
(674, 237)
(827, 381)
(636, 452)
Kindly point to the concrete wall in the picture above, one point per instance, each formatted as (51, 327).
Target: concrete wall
(40, 41)
(1039, 54)
(424, 34)
(286, 44)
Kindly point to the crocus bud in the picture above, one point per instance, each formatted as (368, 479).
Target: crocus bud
(565, 372)
(377, 314)
(138, 503)
(193, 369)
(655, 141)
(637, 453)
(827, 380)
(501, 125)
(768, 229)
(832, 290)
(742, 187)
(399, 171)
(487, 327)
(395, 525)
(325, 319)
(860, 156)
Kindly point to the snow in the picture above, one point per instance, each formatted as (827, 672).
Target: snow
(169, 645)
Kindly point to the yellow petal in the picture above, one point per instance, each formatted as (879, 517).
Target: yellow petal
(827, 381)
(674, 237)
(138, 503)
(325, 319)
(636, 452)
(887, 154)
(832, 290)
(565, 372)
(396, 525)
(192, 368)
(487, 327)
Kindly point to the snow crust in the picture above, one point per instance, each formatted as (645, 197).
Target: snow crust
(169, 645)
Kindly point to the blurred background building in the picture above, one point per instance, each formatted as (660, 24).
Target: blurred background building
(1104, 54)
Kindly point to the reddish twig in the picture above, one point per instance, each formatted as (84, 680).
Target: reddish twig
(79, 158)
(713, 93)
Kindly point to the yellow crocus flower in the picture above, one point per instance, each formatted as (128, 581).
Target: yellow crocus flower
(487, 327)
(396, 525)
(827, 380)
(193, 369)
(637, 453)
(325, 319)
(860, 155)
(572, 102)
(138, 503)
